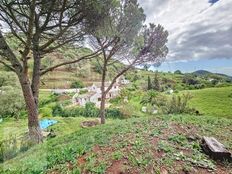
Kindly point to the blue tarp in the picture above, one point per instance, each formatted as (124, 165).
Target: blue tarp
(46, 123)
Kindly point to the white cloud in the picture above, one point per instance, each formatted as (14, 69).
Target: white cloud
(197, 28)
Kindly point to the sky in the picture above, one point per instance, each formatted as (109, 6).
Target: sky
(200, 33)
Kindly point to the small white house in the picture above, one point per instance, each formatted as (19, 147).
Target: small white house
(211, 79)
(94, 92)
(83, 98)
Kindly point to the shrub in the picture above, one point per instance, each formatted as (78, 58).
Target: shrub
(90, 110)
(77, 84)
(177, 104)
(83, 91)
(46, 111)
(57, 110)
(114, 113)
(115, 100)
(11, 102)
(9, 148)
(230, 95)
(46, 100)
(127, 110)
(190, 80)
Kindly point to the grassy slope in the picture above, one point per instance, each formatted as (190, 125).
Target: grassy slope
(137, 145)
(10, 127)
(213, 101)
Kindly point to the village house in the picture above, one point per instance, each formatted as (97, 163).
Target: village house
(93, 93)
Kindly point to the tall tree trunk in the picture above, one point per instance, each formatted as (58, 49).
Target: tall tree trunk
(33, 122)
(103, 95)
(36, 77)
(102, 108)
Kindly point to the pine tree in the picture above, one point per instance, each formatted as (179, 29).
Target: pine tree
(149, 85)
(156, 82)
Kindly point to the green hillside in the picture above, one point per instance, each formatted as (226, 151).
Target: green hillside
(213, 101)
(152, 144)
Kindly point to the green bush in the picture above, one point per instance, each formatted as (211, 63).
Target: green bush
(178, 104)
(46, 111)
(88, 111)
(114, 113)
(46, 100)
(11, 102)
(83, 92)
(57, 110)
(230, 95)
(127, 110)
(77, 84)
(9, 148)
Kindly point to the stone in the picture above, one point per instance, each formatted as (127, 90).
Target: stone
(144, 109)
(90, 123)
(215, 149)
(45, 134)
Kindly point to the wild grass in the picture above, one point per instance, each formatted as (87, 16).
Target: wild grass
(137, 141)
(213, 101)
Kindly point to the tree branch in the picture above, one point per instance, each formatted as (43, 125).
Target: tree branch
(69, 62)
(9, 54)
(6, 65)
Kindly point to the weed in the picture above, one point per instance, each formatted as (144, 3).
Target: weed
(179, 139)
(164, 146)
(155, 133)
(117, 155)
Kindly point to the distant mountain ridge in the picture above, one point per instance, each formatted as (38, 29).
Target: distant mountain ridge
(204, 73)
(201, 72)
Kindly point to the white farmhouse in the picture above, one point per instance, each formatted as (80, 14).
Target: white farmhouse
(85, 98)
(94, 92)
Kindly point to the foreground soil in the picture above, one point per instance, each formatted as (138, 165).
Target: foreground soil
(159, 146)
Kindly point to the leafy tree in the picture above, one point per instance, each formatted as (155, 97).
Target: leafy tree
(177, 72)
(130, 42)
(190, 80)
(156, 82)
(40, 27)
(149, 85)
(150, 98)
(77, 84)
(146, 67)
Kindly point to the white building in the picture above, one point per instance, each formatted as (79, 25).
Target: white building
(64, 91)
(94, 93)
